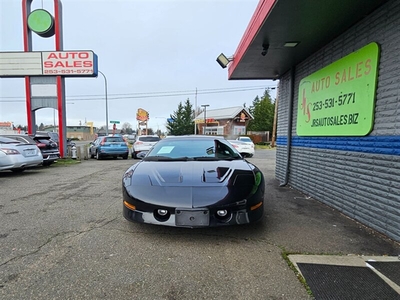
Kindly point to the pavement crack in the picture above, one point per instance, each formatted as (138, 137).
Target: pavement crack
(71, 235)
(49, 240)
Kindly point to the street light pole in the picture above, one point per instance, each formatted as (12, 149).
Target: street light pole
(105, 88)
(205, 117)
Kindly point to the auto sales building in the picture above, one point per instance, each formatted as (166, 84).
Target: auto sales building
(338, 128)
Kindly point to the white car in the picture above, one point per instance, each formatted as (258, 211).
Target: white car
(143, 143)
(17, 156)
(245, 149)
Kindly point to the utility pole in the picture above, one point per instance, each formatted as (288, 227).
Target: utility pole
(205, 117)
(195, 112)
(275, 118)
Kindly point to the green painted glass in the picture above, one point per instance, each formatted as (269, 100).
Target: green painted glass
(40, 21)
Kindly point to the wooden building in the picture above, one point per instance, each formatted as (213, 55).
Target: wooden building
(230, 121)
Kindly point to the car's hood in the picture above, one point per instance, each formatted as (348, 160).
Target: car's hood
(191, 184)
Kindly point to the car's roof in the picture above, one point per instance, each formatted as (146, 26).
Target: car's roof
(197, 136)
(46, 133)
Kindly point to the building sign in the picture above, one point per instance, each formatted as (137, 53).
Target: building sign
(53, 63)
(339, 100)
(7, 125)
(142, 115)
(242, 117)
(69, 63)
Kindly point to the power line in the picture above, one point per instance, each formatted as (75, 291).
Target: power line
(149, 94)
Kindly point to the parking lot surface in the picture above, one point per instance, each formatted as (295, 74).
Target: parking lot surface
(63, 236)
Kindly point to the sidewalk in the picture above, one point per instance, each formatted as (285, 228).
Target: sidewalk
(310, 232)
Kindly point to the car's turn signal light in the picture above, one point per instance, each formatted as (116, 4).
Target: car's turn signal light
(130, 206)
(254, 207)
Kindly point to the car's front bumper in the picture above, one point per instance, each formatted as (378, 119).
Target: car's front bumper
(195, 218)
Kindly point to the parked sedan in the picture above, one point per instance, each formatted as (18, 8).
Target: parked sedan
(48, 147)
(193, 181)
(17, 156)
(108, 146)
(245, 149)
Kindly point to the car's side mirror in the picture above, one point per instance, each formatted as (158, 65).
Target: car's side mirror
(141, 154)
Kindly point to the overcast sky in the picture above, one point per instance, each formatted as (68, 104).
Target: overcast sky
(154, 54)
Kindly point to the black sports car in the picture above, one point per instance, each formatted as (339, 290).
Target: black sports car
(193, 181)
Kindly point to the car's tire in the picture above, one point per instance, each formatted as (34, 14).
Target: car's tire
(47, 163)
(125, 156)
(134, 155)
(98, 157)
(91, 155)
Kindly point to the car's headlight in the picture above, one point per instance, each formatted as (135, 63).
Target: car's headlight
(127, 178)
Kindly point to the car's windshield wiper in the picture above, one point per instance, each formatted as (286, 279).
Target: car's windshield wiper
(213, 158)
(166, 158)
(205, 158)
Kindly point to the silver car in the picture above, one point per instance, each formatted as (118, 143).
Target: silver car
(17, 156)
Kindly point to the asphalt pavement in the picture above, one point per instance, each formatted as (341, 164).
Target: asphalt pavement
(63, 236)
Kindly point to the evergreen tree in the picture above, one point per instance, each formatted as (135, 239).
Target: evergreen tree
(181, 121)
(263, 111)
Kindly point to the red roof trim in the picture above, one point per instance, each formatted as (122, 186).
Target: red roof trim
(264, 7)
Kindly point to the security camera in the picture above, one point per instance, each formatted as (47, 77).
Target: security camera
(265, 49)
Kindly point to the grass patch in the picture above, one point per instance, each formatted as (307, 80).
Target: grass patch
(257, 146)
(66, 162)
(285, 256)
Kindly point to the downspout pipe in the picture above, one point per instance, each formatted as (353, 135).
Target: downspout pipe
(289, 128)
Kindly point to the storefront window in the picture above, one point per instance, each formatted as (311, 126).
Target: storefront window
(239, 130)
(215, 130)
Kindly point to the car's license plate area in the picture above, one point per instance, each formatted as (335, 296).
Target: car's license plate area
(29, 153)
(192, 217)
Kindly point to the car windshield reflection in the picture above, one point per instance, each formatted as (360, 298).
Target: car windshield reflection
(192, 149)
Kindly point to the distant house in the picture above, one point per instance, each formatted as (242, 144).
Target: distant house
(83, 133)
(230, 121)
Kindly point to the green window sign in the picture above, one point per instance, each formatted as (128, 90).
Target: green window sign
(339, 100)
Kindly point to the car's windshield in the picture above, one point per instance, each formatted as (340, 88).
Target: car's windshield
(245, 139)
(192, 149)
